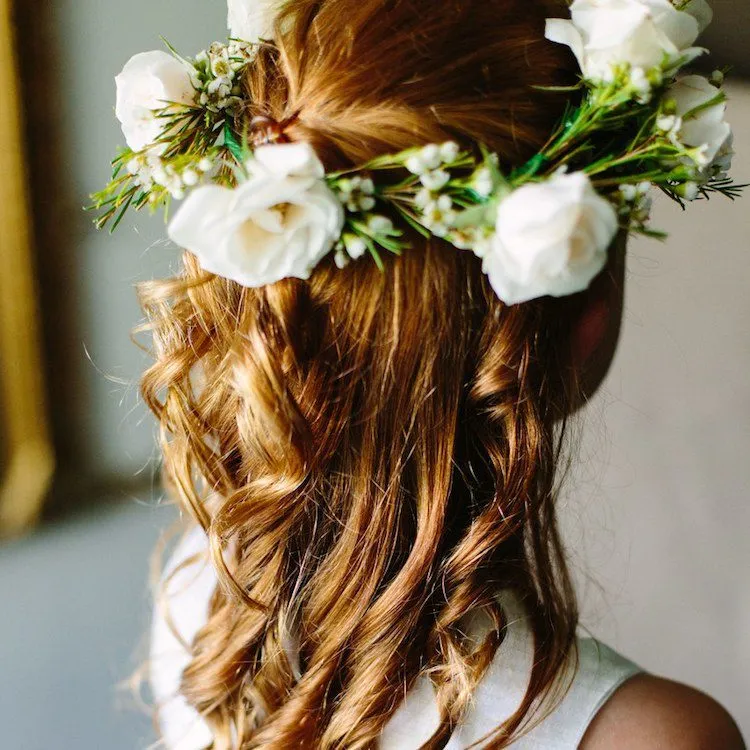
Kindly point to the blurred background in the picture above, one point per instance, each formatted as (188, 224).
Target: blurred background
(657, 516)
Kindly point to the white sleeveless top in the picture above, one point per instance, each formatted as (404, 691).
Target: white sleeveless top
(601, 670)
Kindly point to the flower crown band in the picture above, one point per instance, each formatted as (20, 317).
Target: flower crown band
(256, 208)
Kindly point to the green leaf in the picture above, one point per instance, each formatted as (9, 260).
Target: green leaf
(390, 245)
(533, 165)
(122, 211)
(414, 224)
(562, 89)
(654, 234)
(720, 98)
(374, 252)
(231, 142)
(175, 53)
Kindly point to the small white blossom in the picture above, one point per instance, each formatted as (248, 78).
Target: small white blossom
(380, 224)
(357, 193)
(422, 198)
(190, 177)
(640, 84)
(415, 165)
(341, 259)
(431, 156)
(439, 215)
(481, 182)
(435, 180)
(215, 72)
(221, 66)
(669, 124)
(636, 203)
(219, 88)
(155, 167)
(345, 188)
(148, 169)
(355, 246)
(629, 192)
(689, 191)
(642, 209)
(205, 165)
(449, 152)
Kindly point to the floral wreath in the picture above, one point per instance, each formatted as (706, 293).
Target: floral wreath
(260, 210)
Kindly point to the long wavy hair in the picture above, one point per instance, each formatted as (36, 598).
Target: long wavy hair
(373, 454)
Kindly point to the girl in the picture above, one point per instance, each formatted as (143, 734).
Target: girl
(370, 455)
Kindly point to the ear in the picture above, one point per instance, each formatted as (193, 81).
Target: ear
(596, 326)
(591, 327)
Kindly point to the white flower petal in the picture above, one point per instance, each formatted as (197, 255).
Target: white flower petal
(449, 152)
(705, 127)
(435, 180)
(607, 35)
(289, 159)
(680, 27)
(251, 20)
(702, 12)
(355, 246)
(272, 226)
(564, 32)
(415, 164)
(430, 156)
(200, 222)
(148, 82)
(551, 238)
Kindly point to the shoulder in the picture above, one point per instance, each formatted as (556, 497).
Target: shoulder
(650, 713)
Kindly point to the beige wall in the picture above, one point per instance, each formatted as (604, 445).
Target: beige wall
(659, 517)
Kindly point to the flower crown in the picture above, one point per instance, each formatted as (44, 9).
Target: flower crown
(258, 209)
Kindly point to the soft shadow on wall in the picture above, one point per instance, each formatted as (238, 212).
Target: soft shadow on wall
(70, 54)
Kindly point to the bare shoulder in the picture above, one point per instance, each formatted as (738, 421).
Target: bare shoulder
(652, 713)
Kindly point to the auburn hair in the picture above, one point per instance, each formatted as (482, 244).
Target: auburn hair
(373, 454)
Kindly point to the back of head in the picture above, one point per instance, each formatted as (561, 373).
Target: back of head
(373, 454)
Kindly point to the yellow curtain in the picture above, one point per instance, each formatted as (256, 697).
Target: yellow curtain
(28, 464)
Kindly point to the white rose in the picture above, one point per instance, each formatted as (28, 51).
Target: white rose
(147, 83)
(608, 33)
(706, 127)
(277, 224)
(251, 20)
(551, 238)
